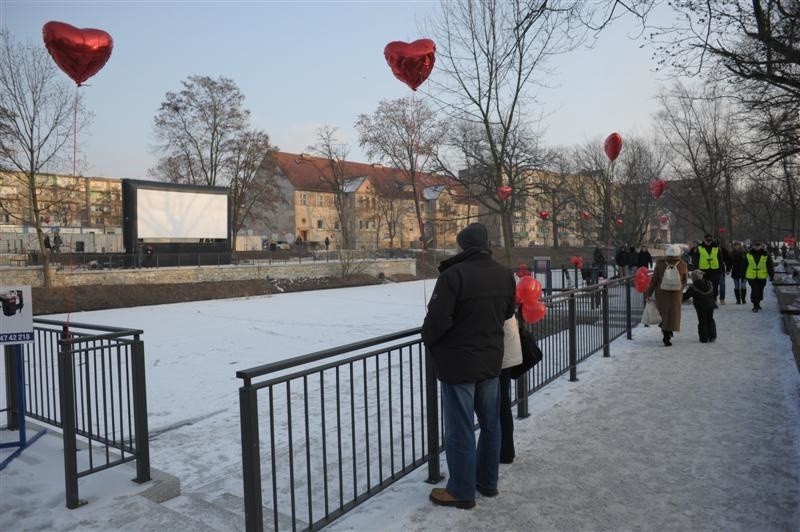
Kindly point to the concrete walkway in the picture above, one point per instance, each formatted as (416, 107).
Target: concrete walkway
(692, 437)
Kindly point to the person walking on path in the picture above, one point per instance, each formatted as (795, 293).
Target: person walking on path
(701, 292)
(738, 265)
(708, 258)
(759, 268)
(463, 330)
(669, 298)
(600, 262)
(621, 260)
(643, 258)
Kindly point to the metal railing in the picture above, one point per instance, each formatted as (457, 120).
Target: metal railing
(89, 381)
(323, 432)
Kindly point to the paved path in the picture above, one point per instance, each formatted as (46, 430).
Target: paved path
(692, 437)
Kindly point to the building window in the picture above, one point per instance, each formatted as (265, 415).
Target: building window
(319, 224)
(336, 225)
(303, 198)
(320, 200)
(361, 224)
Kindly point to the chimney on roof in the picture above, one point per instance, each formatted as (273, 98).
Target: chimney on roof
(305, 156)
(377, 165)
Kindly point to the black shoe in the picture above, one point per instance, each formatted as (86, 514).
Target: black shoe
(507, 460)
(703, 341)
(486, 492)
(755, 309)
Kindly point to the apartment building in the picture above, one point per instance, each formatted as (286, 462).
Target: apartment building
(371, 205)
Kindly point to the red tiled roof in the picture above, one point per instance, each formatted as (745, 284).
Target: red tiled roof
(306, 172)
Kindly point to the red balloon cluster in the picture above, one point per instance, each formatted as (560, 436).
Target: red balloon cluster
(529, 293)
(411, 63)
(789, 241)
(663, 219)
(577, 261)
(613, 146)
(585, 215)
(544, 215)
(80, 53)
(522, 270)
(504, 192)
(619, 221)
(641, 280)
(722, 230)
(657, 188)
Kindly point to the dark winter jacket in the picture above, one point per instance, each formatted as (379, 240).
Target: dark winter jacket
(621, 258)
(463, 328)
(643, 258)
(598, 257)
(738, 263)
(701, 293)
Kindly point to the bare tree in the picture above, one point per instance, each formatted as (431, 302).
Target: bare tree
(406, 134)
(751, 40)
(335, 176)
(37, 113)
(196, 128)
(700, 134)
(252, 178)
(641, 163)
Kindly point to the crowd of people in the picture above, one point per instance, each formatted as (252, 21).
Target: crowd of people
(466, 330)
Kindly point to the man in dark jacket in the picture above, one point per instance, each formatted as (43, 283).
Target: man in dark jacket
(621, 259)
(759, 268)
(463, 330)
(643, 258)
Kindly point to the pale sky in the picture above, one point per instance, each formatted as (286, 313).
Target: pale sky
(301, 65)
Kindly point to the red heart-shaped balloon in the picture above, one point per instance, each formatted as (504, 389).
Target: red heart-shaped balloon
(80, 53)
(504, 192)
(657, 188)
(411, 62)
(613, 146)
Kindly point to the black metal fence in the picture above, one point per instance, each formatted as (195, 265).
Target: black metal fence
(89, 381)
(324, 432)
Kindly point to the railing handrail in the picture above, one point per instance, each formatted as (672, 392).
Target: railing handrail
(88, 326)
(250, 373)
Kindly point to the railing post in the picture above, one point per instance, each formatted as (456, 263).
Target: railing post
(66, 392)
(251, 458)
(522, 396)
(606, 323)
(432, 418)
(12, 417)
(573, 341)
(140, 411)
(628, 321)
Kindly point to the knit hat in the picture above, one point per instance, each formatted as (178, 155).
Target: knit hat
(673, 250)
(474, 235)
(697, 275)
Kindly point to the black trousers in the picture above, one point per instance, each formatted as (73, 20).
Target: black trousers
(706, 326)
(506, 419)
(757, 290)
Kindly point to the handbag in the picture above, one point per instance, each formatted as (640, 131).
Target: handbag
(531, 354)
(512, 350)
(671, 280)
(651, 315)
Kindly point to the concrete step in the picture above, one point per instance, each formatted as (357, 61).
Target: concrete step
(213, 514)
(138, 514)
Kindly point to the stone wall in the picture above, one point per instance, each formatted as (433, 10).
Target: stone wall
(193, 274)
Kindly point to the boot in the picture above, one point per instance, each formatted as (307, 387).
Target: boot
(744, 296)
(737, 293)
(667, 335)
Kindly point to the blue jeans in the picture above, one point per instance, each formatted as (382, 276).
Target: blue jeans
(467, 465)
(739, 284)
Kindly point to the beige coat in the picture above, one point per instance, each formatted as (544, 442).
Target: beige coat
(668, 302)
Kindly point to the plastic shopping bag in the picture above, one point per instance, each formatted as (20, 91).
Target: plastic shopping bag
(651, 315)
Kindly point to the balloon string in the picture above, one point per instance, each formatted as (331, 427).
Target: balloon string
(74, 175)
(414, 140)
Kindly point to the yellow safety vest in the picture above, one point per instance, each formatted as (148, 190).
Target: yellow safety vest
(708, 262)
(756, 271)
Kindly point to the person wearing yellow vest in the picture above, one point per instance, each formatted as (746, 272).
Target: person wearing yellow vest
(710, 258)
(759, 269)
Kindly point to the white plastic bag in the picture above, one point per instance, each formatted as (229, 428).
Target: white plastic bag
(651, 315)
(512, 348)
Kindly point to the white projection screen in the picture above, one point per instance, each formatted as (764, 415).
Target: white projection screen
(172, 214)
